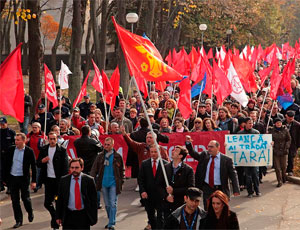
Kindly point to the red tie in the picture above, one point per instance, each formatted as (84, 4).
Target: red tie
(77, 195)
(154, 168)
(211, 172)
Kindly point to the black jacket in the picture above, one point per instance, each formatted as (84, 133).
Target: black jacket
(180, 182)
(88, 194)
(294, 129)
(211, 222)
(28, 162)
(226, 171)
(173, 221)
(88, 149)
(60, 162)
(27, 104)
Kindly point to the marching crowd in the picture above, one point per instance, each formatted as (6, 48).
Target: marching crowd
(72, 186)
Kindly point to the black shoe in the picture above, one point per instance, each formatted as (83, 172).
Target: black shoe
(100, 206)
(106, 226)
(54, 225)
(17, 225)
(111, 228)
(250, 196)
(258, 194)
(279, 185)
(30, 217)
(260, 181)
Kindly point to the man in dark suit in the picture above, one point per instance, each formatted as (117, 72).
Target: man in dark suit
(150, 175)
(213, 170)
(180, 177)
(18, 162)
(53, 161)
(76, 206)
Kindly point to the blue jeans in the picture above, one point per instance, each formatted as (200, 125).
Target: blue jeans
(252, 179)
(24, 125)
(110, 199)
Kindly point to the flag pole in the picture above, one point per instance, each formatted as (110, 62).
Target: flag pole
(212, 96)
(270, 116)
(173, 118)
(60, 105)
(108, 115)
(152, 133)
(45, 122)
(105, 109)
(200, 94)
(263, 102)
(124, 109)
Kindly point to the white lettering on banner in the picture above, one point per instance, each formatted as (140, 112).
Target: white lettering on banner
(250, 149)
(51, 89)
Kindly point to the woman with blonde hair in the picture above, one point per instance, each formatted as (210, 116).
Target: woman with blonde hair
(197, 125)
(171, 107)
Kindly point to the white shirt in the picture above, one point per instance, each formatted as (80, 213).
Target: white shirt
(50, 168)
(152, 162)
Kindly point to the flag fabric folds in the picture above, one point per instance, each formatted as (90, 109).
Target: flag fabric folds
(143, 58)
(285, 100)
(63, 76)
(184, 102)
(82, 91)
(50, 89)
(199, 87)
(11, 85)
(115, 83)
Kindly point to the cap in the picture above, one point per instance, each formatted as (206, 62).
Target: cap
(194, 193)
(41, 106)
(76, 109)
(3, 120)
(87, 96)
(277, 119)
(290, 113)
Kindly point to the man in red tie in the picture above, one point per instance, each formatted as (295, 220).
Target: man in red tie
(76, 206)
(152, 191)
(213, 170)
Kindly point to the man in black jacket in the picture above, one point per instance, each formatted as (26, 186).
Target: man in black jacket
(53, 161)
(180, 177)
(213, 170)
(76, 206)
(87, 148)
(150, 175)
(18, 162)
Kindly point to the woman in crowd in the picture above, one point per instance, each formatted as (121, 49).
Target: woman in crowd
(170, 106)
(197, 125)
(153, 104)
(210, 125)
(282, 141)
(164, 126)
(179, 127)
(219, 215)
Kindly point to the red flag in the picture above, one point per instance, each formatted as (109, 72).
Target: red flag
(184, 102)
(260, 53)
(182, 63)
(275, 81)
(169, 59)
(160, 85)
(222, 87)
(194, 56)
(143, 58)
(236, 52)
(264, 74)
(50, 89)
(245, 73)
(141, 82)
(198, 71)
(115, 83)
(107, 87)
(288, 71)
(11, 85)
(82, 91)
(210, 54)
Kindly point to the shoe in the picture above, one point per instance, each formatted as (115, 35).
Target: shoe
(148, 227)
(54, 225)
(100, 206)
(258, 194)
(30, 217)
(137, 189)
(111, 228)
(17, 225)
(279, 185)
(106, 226)
(8, 191)
(260, 181)
(250, 196)
(290, 174)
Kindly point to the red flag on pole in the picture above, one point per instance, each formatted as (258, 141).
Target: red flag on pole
(82, 91)
(107, 87)
(143, 58)
(50, 89)
(288, 71)
(115, 83)
(11, 85)
(275, 81)
(184, 102)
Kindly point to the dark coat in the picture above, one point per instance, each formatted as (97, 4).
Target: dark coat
(88, 149)
(150, 184)
(60, 162)
(98, 170)
(180, 182)
(295, 136)
(227, 170)
(28, 162)
(88, 194)
(173, 221)
(282, 140)
(211, 222)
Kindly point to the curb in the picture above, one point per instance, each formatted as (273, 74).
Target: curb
(295, 180)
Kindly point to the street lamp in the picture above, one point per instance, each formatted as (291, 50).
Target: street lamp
(132, 18)
(202, 27)
(228, 32)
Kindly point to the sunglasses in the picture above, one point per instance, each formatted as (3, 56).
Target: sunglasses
(197, 122)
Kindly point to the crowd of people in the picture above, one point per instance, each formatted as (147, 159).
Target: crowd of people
(37, 156)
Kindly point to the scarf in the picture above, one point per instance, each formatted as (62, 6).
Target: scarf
(107, 155)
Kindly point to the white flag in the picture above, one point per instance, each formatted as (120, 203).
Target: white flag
(63, 76)
(238, 91)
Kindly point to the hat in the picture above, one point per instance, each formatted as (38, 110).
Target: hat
(76, 109)
(3, 120)
(227, 102)
(277, 119)
(290, 113)
(194, 193)
(41, 106)
(87, 96)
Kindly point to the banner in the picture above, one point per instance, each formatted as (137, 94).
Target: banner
(200, 142)
(250, 149)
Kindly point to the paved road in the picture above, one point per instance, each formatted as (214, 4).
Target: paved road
(278, 208)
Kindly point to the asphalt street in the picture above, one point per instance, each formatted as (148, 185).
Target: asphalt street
(277, 208)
